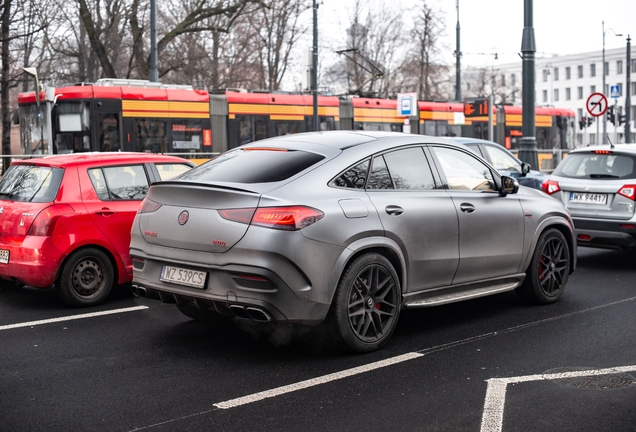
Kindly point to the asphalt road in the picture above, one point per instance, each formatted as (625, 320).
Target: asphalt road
(488, 364)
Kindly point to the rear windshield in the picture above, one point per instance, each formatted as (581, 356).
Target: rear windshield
(28, 183)
(597, 166)
(253, 166)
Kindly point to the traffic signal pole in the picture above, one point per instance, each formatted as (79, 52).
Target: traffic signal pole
(628, 91)
(528, 142)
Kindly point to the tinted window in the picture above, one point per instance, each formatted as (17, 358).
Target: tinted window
(502, 160)
(30, 183)
(409, 169)
(254, 166)
(119, 183)
(463, 171)
(592, 165)
(379, 178)
(354, 178)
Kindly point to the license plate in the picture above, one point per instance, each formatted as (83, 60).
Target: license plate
(588, 198)
(4, 256)
(183, 276)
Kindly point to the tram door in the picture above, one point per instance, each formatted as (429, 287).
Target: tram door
(107, 119)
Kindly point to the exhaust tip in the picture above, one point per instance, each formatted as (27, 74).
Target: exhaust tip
(258, 314)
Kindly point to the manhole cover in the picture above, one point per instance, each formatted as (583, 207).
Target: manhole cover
(592, 382)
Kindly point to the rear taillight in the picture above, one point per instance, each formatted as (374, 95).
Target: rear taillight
(149, 206)
(290, 218)
(628, 191)
(550, 187)
(45, 221)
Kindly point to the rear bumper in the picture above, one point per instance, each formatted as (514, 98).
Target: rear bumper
(605, 234)
(33, 262)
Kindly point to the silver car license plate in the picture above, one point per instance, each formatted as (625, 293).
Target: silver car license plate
(588, 198)
(183, 276)
(4, 256)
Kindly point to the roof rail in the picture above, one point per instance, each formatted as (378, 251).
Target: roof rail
(111, 82)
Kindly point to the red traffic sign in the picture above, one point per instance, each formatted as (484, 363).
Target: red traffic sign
(596, 104)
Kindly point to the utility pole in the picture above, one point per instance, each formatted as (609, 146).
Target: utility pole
(458, 62)
(628, 90)
(528, 142)
(314, 68)
(154, 74)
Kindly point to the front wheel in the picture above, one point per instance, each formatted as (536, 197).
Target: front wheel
(549, 269)
(366, 306)
(86, 279)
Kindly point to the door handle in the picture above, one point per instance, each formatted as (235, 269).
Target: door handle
(467, 208)
(394, 210)
(104, 212)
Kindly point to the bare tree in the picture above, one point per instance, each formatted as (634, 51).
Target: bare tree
(487, 81)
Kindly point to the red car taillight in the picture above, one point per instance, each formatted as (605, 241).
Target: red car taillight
(45, 221)
(291, 218)
(550, 187)
(628, 191)
(149, 206)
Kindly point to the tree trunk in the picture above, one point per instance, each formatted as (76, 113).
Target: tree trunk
(93, 37)
(4, 91)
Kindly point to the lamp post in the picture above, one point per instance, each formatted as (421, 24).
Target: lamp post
(458, 55)
(528, 142)
(603, 139)
(314, 68)
(628, 98)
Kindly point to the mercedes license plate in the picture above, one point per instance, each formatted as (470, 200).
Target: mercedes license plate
(4, 256)
(183, 276)
(588, 198)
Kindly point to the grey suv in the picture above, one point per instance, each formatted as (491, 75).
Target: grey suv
(597, 185)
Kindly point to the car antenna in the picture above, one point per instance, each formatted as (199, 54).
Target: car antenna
(610, 141)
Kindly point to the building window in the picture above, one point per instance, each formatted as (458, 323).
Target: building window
(606, 68)
(545, 95)
(580, 71)
(593, 69)
(593, 89)
(567, 73)
(619, 67)
(556, 74)
(514, 79)
(568, 94)
(633, 69)
(606, 89)
(546, 72)
(633, 88)
(556, 95)
(592, 138)
(579, 92)
(633, 113)
(580, 113)
(620, 89)
(503, 80)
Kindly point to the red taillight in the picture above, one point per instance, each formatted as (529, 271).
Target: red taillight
(45, 221)
(290, 218)
(550, 187)
(602, 152)
(628, 191)
(149, 206)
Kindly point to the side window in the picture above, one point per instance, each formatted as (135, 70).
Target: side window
(463, 171)
(475, 149)
(409, 169)
(120, 182)
(168, 171)
(502, 160)
(353, 178)
(379, 178)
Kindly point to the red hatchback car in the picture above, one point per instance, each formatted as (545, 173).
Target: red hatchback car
(65, 220)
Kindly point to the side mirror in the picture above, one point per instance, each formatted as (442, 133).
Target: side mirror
(525, 168)
(509, 185)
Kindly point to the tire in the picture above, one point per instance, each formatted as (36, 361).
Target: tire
(86, 279)
(366, 305)
(549, 269)
(208, 316)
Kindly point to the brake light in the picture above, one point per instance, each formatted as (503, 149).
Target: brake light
(550, 187)
(602, 152)
(45, 221)
(149, 206)
(628, 191)
(291, 218)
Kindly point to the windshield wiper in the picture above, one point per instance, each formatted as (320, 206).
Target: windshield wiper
(603, 176)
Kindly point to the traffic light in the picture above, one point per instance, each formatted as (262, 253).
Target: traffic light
(582, 123)
(590, 120)
(621, 119)
(610, 115)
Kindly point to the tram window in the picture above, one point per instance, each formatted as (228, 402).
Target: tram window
(150, 136)
(187, 135)
(108, 132)
(286, 127)
(71, 121)
(326, 123)
(429, 128)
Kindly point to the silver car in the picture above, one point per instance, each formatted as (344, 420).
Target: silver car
(346, 228)
(598, 184)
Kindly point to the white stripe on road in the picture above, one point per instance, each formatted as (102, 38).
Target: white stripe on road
(316, 381)
(492, 419)
(72, 317)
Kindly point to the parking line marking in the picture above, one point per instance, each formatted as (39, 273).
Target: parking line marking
(233, 403)
(492, 419)
(72, 317)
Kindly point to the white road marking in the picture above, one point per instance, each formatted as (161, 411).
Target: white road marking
(492, 419)
(71, 317)
(316, 381)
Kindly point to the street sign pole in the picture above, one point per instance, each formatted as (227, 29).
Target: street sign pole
(597, 141)
(615, 121)
(490, 122)
(528, 142)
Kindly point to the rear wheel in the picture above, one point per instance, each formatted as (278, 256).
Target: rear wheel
(192, 311)
(549, 269)
(366, 306)
(86, 279)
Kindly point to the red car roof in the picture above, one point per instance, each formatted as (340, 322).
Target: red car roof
(96, 158)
